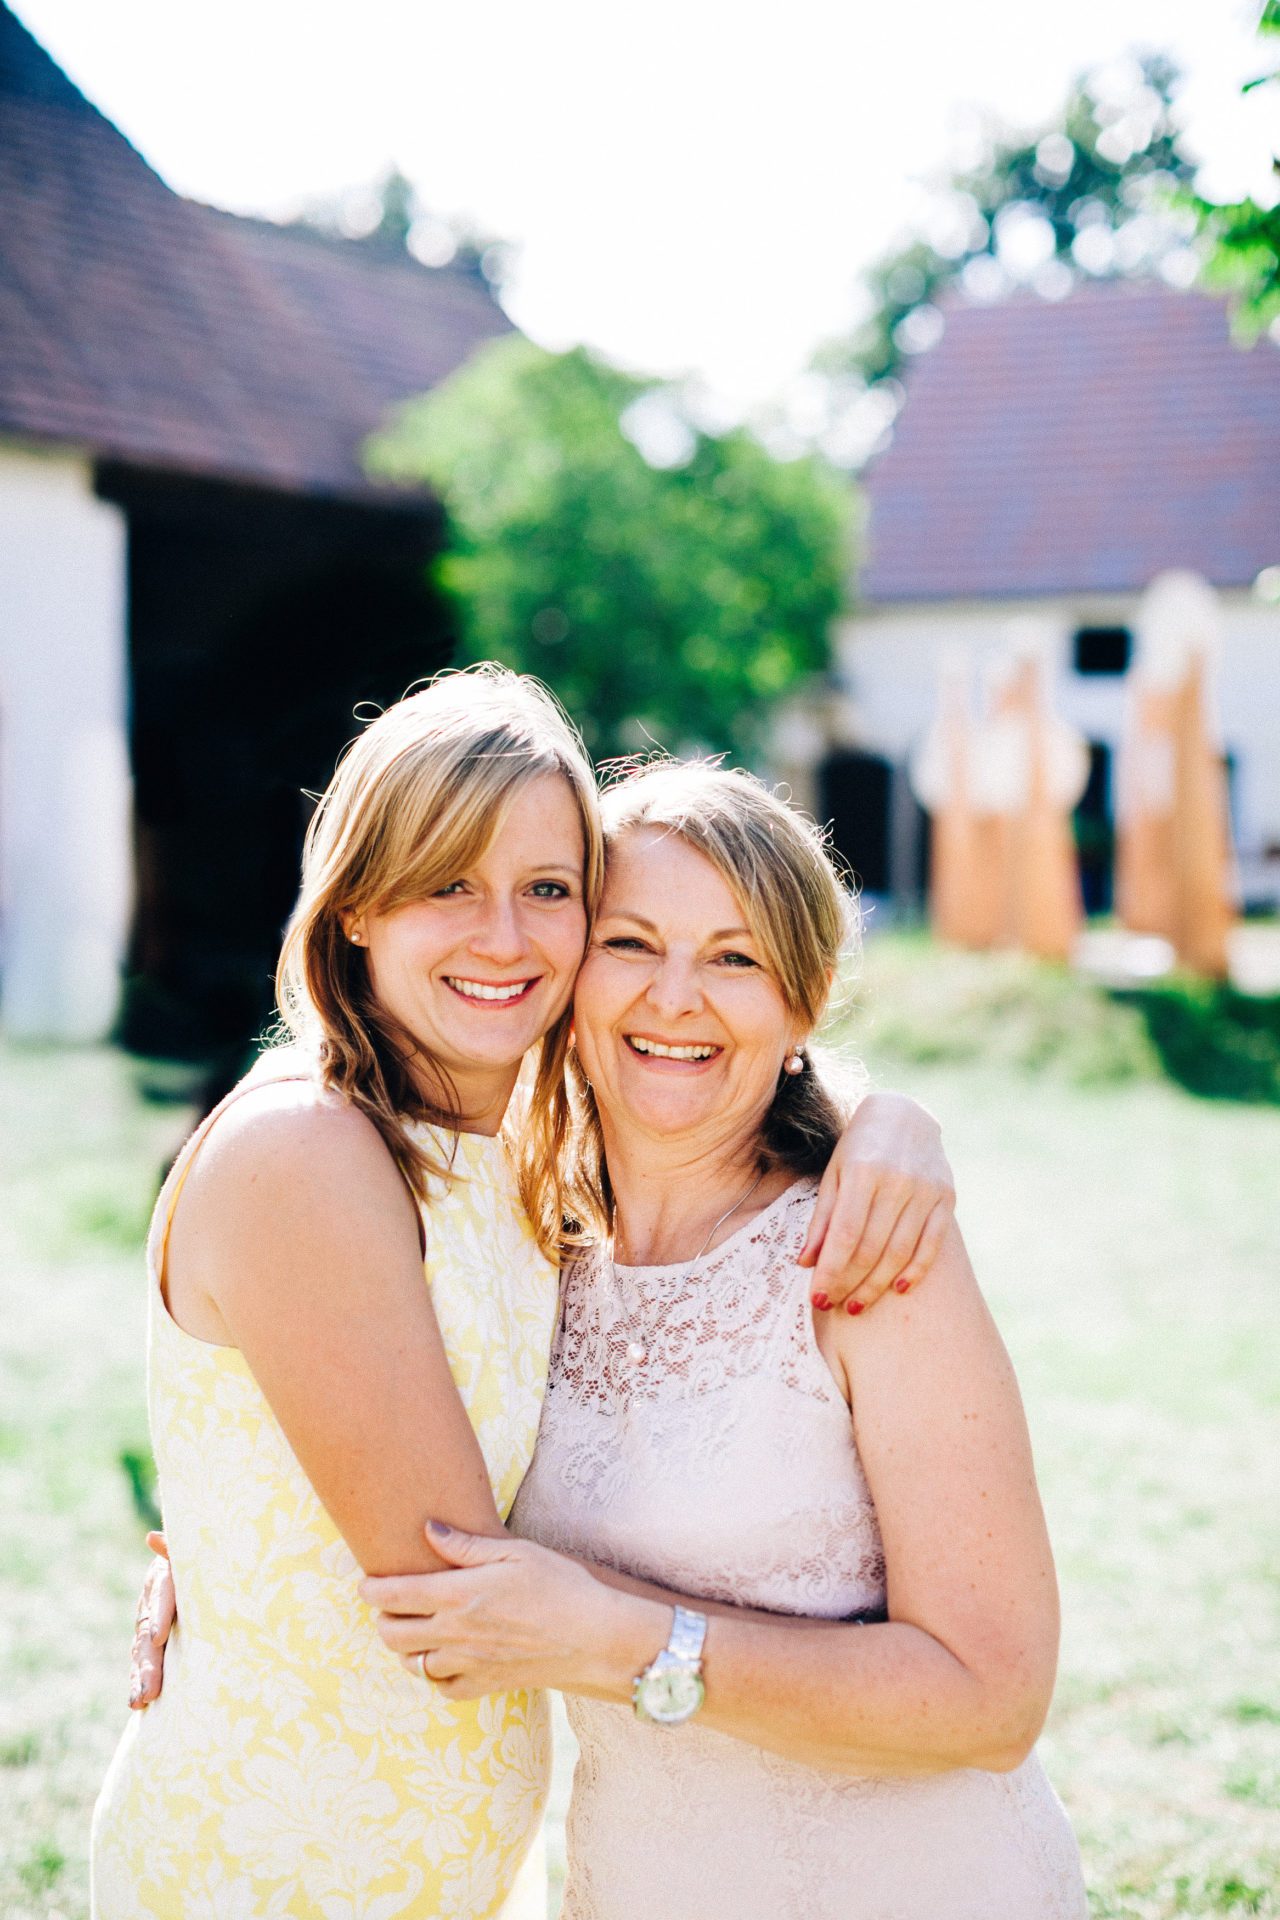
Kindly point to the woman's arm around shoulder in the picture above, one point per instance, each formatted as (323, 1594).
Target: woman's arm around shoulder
(884, 1205)
(295, 1239)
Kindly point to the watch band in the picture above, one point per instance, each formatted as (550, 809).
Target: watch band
(688, 1636)
(670, 1690)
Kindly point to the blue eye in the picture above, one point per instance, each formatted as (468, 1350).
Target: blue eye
(549, 890)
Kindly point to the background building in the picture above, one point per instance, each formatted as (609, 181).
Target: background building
(1048, 462)
(197, 581)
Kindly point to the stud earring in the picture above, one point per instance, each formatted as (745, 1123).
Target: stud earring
(355, 940)
(794, 1062)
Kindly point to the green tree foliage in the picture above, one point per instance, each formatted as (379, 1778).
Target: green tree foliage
(392, 217)
(670, 597)
(1245, 238)
(1088, 195)
(399, 209)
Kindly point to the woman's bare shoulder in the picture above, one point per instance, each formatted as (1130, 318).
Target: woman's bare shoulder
(945, 1317)
(297, 1132)
(292, 1191)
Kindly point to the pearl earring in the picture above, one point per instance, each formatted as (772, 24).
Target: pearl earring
(355, 939)
(794, 1063)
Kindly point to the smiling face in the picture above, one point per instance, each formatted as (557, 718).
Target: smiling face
(478, 971)
(681, 1028)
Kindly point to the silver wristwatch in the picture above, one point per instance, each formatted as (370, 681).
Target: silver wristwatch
(670, 1691)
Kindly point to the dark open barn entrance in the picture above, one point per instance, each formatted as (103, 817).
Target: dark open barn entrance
(877, 827)
(258, 623)
(1095, 832)
(854, 791)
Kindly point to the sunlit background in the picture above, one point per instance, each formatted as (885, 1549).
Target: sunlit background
(688, 185)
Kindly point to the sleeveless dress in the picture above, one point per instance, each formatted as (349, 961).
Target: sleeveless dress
(291, 1766)
(726, 1467)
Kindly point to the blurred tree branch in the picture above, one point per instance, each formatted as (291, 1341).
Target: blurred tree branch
(1244, 238)
(1093, 194)
(669, 583)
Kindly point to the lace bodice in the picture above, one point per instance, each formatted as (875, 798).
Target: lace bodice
(726, 1466)
(653, 1453)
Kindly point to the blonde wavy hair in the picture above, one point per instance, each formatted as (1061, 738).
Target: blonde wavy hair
(417, 799)
(777, 864)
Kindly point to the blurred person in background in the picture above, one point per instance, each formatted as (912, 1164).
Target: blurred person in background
(869, 1756)
(312, 1402)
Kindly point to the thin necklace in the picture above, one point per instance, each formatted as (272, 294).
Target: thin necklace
(637, 1351)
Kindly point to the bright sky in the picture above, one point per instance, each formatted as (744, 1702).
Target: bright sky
(694, 185)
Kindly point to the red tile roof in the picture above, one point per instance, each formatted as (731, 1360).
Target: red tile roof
(146, 328)
(1079, 447)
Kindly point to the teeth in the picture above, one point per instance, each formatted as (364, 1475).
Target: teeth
(478, 990)
(656, 1048)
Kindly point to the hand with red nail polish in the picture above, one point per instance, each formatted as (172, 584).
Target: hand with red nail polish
(885, 1204)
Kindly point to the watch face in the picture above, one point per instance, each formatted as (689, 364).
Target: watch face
(671, 1695)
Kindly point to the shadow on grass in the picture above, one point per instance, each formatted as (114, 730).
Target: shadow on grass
(919, 1001)
(1213, 1041)
(139, 1470)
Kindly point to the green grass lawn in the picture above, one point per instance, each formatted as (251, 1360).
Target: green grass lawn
(1129, 1239)
(79, 1157)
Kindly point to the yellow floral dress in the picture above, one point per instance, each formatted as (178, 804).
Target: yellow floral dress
(291, 1766)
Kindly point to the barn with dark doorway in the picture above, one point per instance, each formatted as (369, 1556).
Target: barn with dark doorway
(199, 586)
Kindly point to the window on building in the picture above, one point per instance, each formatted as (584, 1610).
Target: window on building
(1102, 649)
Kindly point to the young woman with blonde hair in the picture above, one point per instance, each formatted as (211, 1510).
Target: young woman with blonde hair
(313, 1402)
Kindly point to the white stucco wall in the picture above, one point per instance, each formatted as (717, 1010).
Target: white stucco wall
(888, 664)
(65, 864)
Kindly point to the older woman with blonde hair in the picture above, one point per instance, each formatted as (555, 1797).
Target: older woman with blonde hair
(354, 1289)
(841, 1725)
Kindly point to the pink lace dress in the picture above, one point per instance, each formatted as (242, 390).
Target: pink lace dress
(726, 1467)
